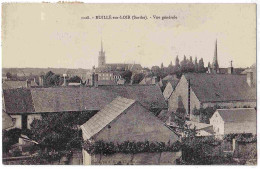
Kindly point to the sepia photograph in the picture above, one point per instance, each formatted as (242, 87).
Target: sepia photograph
(129, 83)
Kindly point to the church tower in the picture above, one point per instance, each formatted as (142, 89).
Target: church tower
(215, 66)
(101, 57)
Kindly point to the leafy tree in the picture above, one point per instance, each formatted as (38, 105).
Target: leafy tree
(9, 138)
(52, 79)
(75, 79)
(162, 66)
(196, 66)
(127, 76)
(201, 67)
(58, 131)
(137, 78)
(177, 62)
(8, 75)
(184, 65)
(190, 65)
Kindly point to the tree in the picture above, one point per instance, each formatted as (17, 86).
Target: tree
(201, 67)
(196, 66)
(137, 78)
(127, 76)
(8, 75)
(184, 65)
(75, 79)
(177, 62)
(58, 131)
(190, 65)
(52, 79)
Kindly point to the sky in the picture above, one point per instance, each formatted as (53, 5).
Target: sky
(55, 35)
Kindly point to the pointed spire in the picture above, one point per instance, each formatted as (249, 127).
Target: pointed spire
(215, 59)
(101, 45)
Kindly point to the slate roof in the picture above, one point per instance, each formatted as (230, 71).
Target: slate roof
(16, 84)
(238, 115)
(220, 87)
(61, 99)
(106, 116)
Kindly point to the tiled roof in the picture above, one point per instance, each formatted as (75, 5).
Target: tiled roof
(220, 87)
(238, 115)
(7, 121)
(37, 100)
(174, 83)
(61, 99)
(105, 116)
(16, 84)
(18, 101)
(170, 77)
(70, 99)
(106, 82)
(150, 96)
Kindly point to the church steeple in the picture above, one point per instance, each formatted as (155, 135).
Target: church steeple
(215, 65)
(101, 57)
(101, 45)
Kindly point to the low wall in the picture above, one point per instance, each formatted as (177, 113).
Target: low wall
(164, 158)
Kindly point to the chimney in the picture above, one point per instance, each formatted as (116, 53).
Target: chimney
(249, 78)
(65, 81)
(230, 69)
(41, 80)
(28, 83)
(94, 80)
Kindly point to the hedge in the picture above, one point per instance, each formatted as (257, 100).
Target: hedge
(127, 147)
(242, 138)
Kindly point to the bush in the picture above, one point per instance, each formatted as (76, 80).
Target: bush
(107, 148)
(242, 138)
(16, 152)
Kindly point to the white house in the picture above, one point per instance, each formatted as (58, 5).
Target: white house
(126, 120)
(239, 120)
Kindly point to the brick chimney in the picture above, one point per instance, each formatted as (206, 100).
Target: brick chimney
(249, 78)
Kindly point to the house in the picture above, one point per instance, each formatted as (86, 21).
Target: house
(26, 104)
(170, 87)
(124, 120)
(18, 84)
(166, 79)
(106, 82)
(150, 96)
(238, 120)
(7, 121)
(121, 81)
(202, 129)
(149, 80)
(201, 90)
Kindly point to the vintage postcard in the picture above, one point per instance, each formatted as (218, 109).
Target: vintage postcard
(129, 84)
